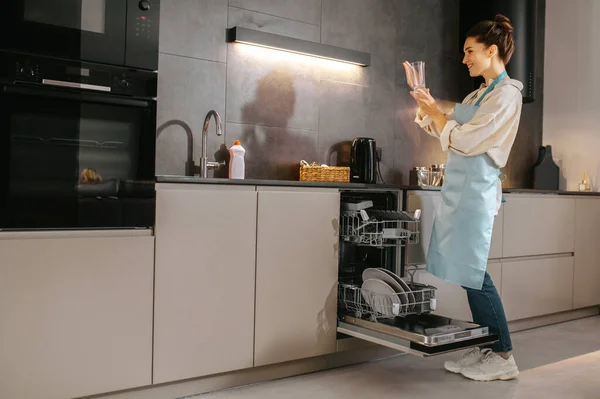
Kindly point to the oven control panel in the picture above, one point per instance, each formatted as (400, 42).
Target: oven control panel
(142, 33)
(27, 71)
(21, 68)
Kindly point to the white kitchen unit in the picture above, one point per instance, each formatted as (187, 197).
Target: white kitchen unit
(204, 283)
(586, 283)
(296, 274)
(540, 243)
(536, 287)
(538, 225)
(76, 313)
(427, 202)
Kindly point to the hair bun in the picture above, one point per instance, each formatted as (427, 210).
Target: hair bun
(503, 23)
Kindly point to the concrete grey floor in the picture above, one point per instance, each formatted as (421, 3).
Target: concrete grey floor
(559, 361)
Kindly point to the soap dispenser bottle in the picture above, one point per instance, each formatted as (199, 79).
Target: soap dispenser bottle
(237, 169)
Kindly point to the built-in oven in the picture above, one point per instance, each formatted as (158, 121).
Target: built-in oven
(378, 299)
(77, 145)
(117, 32)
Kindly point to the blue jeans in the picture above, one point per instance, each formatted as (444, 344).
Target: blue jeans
(487, 310)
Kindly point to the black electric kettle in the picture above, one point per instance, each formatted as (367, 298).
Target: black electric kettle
(363, 161)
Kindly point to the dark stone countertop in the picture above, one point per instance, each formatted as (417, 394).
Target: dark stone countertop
(280, 183)
(349, 186)
(549, 192)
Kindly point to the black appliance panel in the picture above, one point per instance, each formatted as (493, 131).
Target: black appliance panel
(76, 157)
(115, 32)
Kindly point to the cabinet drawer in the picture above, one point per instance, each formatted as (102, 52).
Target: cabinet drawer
(537, 287)
(76, 314)
(538, 226)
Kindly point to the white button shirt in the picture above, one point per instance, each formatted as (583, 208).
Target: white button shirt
(493, 128)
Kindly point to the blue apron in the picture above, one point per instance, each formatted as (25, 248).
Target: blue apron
(462, 229)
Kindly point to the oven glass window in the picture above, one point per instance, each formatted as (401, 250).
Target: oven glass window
(52, 153)
(87, 15)
(76, 164)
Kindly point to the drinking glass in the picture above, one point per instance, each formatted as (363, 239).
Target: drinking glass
(418, 75)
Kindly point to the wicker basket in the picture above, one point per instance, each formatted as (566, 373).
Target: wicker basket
(316, 172)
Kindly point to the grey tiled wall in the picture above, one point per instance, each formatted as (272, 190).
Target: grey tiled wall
(286, 107)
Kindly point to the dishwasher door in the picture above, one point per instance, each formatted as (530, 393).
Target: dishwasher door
(423, 335)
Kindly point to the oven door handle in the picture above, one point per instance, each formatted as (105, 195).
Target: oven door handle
(74, 96)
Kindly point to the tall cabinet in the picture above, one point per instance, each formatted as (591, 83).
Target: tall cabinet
(204, 288)
(296, 274)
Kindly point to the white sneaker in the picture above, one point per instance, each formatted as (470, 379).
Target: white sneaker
(469, 358)
(492, 367)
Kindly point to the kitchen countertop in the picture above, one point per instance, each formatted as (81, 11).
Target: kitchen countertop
(282, 183)
(350, 186)
(554, 192)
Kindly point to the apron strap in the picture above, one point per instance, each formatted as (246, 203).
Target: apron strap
(491, 87)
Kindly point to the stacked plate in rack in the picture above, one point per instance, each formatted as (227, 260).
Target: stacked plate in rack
(386, 293)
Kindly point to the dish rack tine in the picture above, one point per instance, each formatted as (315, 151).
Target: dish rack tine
(411, 270)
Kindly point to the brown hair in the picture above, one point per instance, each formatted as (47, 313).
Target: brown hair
(498, 32)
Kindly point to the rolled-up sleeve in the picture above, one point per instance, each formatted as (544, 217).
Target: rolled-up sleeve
(428, 125)
(479, 135)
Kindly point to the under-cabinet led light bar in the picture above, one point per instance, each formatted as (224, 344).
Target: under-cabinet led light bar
(298, 46)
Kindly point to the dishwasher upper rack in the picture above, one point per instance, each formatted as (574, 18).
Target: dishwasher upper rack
(361, 302)
(379, 228)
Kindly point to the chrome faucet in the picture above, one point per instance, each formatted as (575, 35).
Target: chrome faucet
(205, 165)
(189, 163)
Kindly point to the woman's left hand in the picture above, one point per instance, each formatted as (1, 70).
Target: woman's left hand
(426, 102)
(429, 106)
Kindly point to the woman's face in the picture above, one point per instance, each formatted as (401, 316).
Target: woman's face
(477, 58)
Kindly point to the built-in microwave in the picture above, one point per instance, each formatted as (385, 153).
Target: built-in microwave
(77, 144)
(116, 32)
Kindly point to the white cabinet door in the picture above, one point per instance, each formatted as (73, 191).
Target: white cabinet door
(205, 269)
(587, 253)
(428, 202)
(296, 275)
(451, 298)
(497, 236)
(537, 287)
(76, 316)
(538, 225)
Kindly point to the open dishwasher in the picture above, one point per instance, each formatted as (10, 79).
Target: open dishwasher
(375, 302)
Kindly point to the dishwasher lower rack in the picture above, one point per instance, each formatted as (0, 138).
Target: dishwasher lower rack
(377, 228)
(364, 303)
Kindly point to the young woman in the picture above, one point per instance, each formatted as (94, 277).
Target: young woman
(478, 135)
